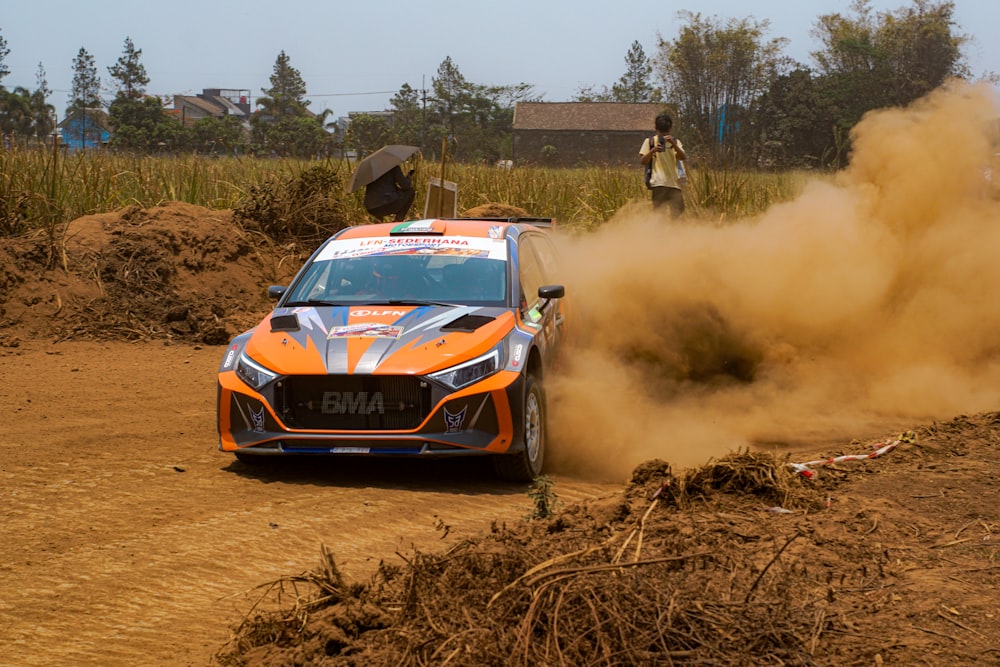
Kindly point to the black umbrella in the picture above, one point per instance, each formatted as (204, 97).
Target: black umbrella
(378, 163)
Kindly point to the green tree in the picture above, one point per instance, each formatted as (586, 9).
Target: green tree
(25, 114)
(328, 122)
(141, 125)
(489, 136)
(42, 82)
(86, 90)
(922, 48)
(323, 118)
(286, 96)
(872, 60)
(297, 136)
(218, 135)
(43, 113)
(283, 124)
(795, 122)
(888, 59)
(478, 119)
(15, 112)
(634, 85)
(367, 133)
(129, 72)
(593, 94)
(407, 117)
(714, 73)
(451, 94)
(139, 121)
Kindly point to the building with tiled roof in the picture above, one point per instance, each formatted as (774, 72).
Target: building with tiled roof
(216, 102)
(573, 134)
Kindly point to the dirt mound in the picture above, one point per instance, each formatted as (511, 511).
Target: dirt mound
(176, 271)
(496, 211)
(744, 561)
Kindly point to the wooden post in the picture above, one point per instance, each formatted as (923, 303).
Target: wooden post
(440, 193)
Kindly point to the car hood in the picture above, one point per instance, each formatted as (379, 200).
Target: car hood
(410, 340)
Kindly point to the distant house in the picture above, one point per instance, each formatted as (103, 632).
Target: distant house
(571, 134)
(217, 102)
(85, 128)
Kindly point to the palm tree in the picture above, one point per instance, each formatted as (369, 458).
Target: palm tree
(321, 118)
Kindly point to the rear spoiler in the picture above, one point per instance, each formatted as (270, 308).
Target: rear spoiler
(547, 223)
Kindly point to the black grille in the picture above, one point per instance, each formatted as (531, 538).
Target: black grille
(353, 402)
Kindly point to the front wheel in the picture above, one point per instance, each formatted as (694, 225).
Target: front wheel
(526, 465)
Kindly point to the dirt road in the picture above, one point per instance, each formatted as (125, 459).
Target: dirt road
(129, 539)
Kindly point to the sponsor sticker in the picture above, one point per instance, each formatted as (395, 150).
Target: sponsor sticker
(258, 419)
(518, 351)
(493, 248)
(415, 227)
(365, 312)
(453, 422)
(365, 330)
(352, 403)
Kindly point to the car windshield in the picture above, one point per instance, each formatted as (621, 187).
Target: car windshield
(346, 273)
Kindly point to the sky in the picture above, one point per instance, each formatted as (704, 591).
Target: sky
(356, 56)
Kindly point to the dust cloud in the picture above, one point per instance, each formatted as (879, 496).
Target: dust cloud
(866, 305)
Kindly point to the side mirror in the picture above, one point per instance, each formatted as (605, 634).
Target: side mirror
(552, 291)
(275, 292)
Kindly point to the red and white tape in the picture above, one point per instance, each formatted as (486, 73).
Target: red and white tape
(880, 449)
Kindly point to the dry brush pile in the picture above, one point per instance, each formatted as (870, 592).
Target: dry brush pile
(677, 570)
(743, 561)
(175, 271)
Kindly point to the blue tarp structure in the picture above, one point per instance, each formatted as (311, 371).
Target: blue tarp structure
(85, 129)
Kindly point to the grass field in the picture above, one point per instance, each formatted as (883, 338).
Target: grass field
(44, 189)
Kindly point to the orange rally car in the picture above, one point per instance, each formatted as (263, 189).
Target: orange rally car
(421, 338)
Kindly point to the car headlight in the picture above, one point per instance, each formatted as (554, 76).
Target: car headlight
(253, 373)
(466, 373)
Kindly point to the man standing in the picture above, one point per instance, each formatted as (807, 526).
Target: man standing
(661, 155)
(391, 194)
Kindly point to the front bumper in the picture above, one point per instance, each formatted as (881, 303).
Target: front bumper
(373, 419)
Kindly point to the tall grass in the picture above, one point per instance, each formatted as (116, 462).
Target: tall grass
(729, 195)
(42, 189)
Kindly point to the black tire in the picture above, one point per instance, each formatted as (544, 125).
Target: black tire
(526, 465)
